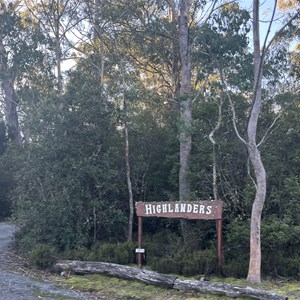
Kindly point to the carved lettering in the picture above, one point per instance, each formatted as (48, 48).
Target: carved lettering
(154, 209)
(170, 209)
(196, 208)
(201, 209)
(148, 209)
(158, 208)
(182, 207)
(208, 210)
(164, 208)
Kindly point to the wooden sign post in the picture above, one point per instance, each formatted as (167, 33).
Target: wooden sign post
(203, 210)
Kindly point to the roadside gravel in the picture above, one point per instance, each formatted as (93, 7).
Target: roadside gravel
(17, 286)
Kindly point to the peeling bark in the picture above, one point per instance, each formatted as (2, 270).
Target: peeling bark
(254, 272)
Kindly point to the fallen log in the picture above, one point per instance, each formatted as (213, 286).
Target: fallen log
(163, 280)
(115, 270)
(226, 289)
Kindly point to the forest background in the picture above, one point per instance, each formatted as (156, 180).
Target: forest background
(79, 147)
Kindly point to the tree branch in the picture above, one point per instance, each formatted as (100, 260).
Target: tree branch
(231, 106)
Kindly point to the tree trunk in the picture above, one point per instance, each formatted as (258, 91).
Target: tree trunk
(173, 18)
(185, 111)
(10, 98)
(11, 114)
(254, 272)
(98, 38)
(163, 280)
(128, 176)
(130, 194)
(214, 154)
(58, 48)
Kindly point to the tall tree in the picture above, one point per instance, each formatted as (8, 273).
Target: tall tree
(58, 18)
(185, 100)
(21, 59)
(255, 157)
(254, 272)
(9, 23)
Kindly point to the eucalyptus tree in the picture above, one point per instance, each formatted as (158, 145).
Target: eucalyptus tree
(226, 77)
(20, 52)
(59, 20)
(259, 58)
(254, 272)
(9, 45)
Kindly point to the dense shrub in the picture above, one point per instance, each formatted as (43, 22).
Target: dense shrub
(162, 244)
(236, 267)
(42, 256)
(187, 263)
(121, 253)
(280, 248)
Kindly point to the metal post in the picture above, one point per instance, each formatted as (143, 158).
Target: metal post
(219, 244)
(140, 232)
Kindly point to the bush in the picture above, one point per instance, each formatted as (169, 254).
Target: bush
(42, 256)
(293, 267)
(187, 263)
(120, 253)
(161, 245)
(237, 267)
(80, 253)
(166, 265)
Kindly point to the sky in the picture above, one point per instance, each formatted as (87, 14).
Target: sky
(266, 10)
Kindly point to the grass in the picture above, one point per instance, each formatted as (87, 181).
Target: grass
(118, 288)
(44, 295)
(106, 287)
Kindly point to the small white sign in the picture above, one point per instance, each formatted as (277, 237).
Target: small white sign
(139, 250)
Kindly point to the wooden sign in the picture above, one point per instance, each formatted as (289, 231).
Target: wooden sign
(205, 210)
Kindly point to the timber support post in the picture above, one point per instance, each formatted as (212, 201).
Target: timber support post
(219, 245)
(140, 232)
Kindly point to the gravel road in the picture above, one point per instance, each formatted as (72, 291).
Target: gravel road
(17, 286)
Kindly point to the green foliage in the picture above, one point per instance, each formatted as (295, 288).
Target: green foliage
(42, 256)
(237, 249)
(68, 193)
(280, 248)
(238, 267)
(6, 177)
(281, 244)
(120, 253)
(187, 263)
(166, 265)
(3, 137)
(25, 59)
(165, 243)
